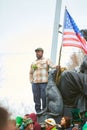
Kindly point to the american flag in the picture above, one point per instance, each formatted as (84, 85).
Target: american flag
(72, 35)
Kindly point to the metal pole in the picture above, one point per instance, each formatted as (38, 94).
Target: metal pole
(55, 31)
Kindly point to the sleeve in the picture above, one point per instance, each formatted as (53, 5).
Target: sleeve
(50, 64)
(31, 74)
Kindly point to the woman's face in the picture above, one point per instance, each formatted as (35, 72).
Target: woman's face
(30, 126)
(46, 125)
(63, 121)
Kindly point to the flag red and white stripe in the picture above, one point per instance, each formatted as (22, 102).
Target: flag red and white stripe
(72, 35)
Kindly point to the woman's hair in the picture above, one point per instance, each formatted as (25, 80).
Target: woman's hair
(67, 122)
(4, 116)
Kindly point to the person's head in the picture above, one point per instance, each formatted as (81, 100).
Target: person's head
(12, 125)
(4, 117)
(39, 53)
(50, 122)
(29, 124)
(65, 122)
(33, 116)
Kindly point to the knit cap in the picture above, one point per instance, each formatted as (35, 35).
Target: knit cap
(27, 121)
(19, 121)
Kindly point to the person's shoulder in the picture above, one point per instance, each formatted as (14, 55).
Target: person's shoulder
(44, 59)
(60, 128)
(37, 126)
(47, 60)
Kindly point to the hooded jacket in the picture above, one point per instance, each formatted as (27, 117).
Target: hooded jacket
(33, 116)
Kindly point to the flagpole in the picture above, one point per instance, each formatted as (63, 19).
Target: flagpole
(55, 31)
(62, 39)
(60, 52)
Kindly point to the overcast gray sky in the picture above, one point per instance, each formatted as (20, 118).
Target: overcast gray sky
(25, 25)
(25, 22)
